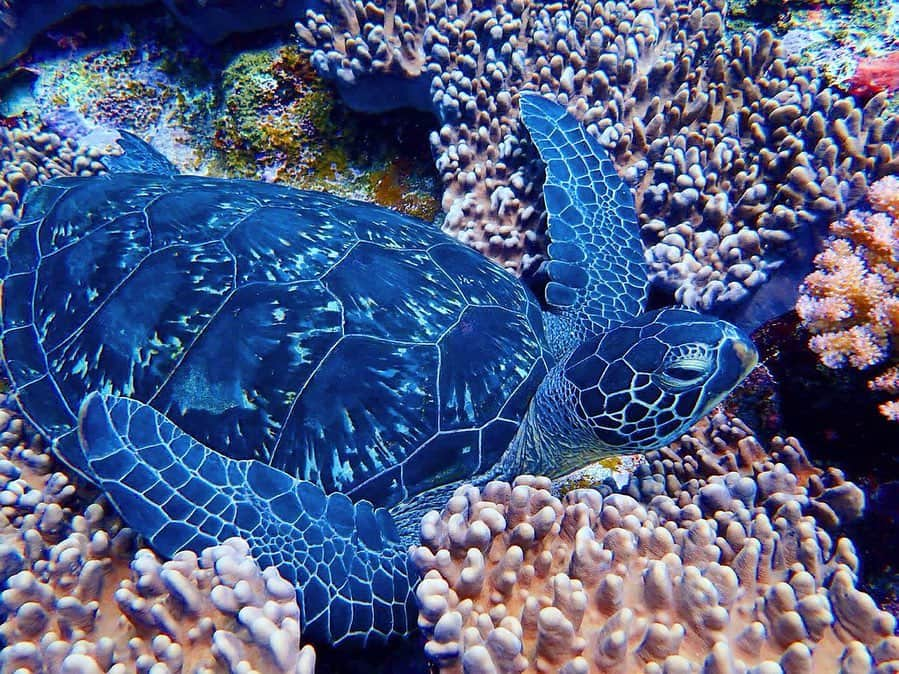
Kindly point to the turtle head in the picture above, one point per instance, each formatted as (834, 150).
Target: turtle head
(634, 388)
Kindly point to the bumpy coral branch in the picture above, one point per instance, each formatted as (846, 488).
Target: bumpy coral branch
(31, 155)
(515, 580)
(78, 599)
(733, 148)
(721, 445)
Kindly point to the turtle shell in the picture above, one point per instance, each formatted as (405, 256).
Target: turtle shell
(341, 342)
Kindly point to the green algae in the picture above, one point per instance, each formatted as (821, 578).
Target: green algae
(280, 122)
(259, 113)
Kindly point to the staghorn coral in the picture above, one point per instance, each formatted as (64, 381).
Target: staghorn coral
(29, 154)
(515, 580)
(850, 303)
(78, 599)
(733, 148)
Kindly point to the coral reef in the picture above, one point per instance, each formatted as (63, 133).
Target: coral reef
(850, 303)
(721, 553)
(29, 154)
(211, 20)
(262, 114)
(515, 580)
(733, 148)
(720, 445)
(78, 599)
(280, 123)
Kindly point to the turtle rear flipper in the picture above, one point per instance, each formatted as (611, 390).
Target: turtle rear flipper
(596, 273)
(346, 560)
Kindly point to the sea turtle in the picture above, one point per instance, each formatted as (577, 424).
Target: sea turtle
(228, 357)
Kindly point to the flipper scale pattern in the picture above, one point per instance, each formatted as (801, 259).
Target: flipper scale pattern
(349, 566)
(597, 273)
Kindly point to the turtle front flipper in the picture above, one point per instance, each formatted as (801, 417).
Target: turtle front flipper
(346, 559)
(596, 271)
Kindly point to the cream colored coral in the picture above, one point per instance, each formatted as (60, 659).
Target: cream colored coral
(884, 195)
(731, 145)
(722, 445)
(30, 155)
(515, 580)
(78, 600)
(888, 382)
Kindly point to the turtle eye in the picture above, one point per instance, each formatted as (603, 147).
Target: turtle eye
(681, 376)
(684, 368)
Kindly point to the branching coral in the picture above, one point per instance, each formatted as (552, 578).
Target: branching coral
(884, 195)
(78, 600)
(850, 303)
(515, 580)
(888, 382)
(732, 147)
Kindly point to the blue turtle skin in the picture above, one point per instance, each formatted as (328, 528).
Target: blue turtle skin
(355, 349)
(272, 324)
(225, 357)
(633, 388)
(346, 559)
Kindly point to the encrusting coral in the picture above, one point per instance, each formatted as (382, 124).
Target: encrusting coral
(850, 303)
(733, 148)
(515, 580)
(78, 600)
(280, 123)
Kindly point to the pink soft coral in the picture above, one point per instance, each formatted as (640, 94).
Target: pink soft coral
(850, 303)
(875, 74)
(888, 382)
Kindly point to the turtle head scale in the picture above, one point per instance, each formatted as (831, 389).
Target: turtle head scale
(634, 388)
